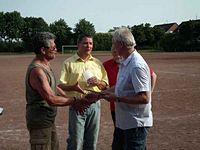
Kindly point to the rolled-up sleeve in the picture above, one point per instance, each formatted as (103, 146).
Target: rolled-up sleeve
(140, 79)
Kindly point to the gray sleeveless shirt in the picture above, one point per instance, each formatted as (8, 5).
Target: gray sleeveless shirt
(39, 114)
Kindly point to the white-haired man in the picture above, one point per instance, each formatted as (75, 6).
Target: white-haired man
(132, 94)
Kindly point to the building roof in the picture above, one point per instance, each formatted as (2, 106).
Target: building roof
(168, 28)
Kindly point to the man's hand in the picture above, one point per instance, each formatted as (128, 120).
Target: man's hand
(93, 81)
(80, 104)
(60, 92)
(92, 97)
(78, 88)
(109, 96)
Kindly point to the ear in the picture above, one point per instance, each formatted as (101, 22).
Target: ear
(121, 44)
(43, 50)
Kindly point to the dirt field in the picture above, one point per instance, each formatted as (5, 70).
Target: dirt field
(176, 103)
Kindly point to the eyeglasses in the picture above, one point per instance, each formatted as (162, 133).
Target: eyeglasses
(51, 48)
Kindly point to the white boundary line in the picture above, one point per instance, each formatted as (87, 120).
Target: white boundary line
(12, 131)
(180, 73)
(177, 117)
(176, 90)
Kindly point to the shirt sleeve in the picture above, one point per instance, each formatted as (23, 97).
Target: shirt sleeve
(63, 75)
(140, 79)
(104, 75)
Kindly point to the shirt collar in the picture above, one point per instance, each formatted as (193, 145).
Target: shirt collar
(77, 58)
(126, 61)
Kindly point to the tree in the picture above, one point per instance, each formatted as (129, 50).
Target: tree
(11, 24)
(169, 42)
(115, 28)
(63, 33)
(2, 32)
(139, 34)
(13, 27)
(31, 27)
(147, 37)
(189, 36)
(102, 41)
(158, 36)
(2, 26)
(150, 39)
(83, 27)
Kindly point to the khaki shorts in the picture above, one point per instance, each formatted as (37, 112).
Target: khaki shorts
(44, 139)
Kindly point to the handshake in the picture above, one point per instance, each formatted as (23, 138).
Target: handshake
(109, 96)
(80, 104)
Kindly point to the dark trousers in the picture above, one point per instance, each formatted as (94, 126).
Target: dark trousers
(113, 117)
(130, 139)
(118, 139)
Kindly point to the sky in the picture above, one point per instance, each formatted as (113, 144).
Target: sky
(106, 14)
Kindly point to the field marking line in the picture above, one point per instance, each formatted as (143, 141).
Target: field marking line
(176, 90)
(177, 117)
(180, 73)
(12, 130)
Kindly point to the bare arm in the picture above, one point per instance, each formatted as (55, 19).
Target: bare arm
(110, 90)
(39, 82)
(153, 81)
(139, 98)
(75, 87)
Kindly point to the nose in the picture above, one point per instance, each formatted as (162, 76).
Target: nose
(55, 49)
(88, 45)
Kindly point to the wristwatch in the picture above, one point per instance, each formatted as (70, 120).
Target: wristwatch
(118, 99)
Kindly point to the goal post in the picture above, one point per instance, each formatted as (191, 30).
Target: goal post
(69, 48)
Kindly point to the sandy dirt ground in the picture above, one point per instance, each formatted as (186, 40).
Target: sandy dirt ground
(176, 103)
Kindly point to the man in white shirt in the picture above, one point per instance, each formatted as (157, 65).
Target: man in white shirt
(132, 94)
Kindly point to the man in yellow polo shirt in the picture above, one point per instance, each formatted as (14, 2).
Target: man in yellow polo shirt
(80, 73)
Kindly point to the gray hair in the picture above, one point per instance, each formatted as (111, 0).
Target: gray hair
(41, 39)
(125, 36)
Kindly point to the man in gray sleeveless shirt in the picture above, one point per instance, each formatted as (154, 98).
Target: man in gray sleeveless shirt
(41, 95)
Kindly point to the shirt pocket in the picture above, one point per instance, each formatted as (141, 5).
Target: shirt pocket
(96, 71)
(121, 80)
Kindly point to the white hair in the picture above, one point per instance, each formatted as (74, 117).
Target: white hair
(125, 36)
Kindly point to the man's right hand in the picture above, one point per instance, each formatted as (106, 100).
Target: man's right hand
(80, 105)
(77, 88)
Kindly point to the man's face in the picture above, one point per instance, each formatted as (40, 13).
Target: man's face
(118, 48)
(115, 54)
(51, 50)
(85, 46)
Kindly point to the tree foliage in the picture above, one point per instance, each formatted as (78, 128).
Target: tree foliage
(31, 27)
(11, 27)
(2, 26)
(83, 26)
(186, 39)
(62, 32)
(147, 37)
(102, 41)
(16, 34)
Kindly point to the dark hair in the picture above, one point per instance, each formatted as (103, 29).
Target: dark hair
(81, 36)
(41, 39)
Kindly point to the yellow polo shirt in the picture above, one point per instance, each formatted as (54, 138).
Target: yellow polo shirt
(73, 69)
